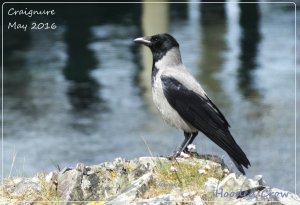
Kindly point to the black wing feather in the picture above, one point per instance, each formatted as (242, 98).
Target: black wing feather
(200, 112)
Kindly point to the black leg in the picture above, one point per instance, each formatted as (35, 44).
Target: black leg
(177, 152)
(185, 143)
(187, 138)
(191, 139)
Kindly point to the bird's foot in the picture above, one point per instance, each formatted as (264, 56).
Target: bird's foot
(183, 154)
(173, 156)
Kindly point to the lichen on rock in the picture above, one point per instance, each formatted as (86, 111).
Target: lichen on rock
(146, 180)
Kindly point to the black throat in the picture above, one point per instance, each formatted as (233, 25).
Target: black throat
(154, 72)
(157, 55)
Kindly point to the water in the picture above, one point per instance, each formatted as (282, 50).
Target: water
(81, 93)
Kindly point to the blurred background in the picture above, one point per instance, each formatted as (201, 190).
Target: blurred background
(81, 92)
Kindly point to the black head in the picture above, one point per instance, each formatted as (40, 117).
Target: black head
(159, 44)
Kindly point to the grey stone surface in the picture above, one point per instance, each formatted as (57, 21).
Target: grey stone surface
(211, 184)
(172, 198)
(124, 182)
(17, 188)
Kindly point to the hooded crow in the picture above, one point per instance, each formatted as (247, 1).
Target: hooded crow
(183, 103)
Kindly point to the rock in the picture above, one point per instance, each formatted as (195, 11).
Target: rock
(69, 184)
(88, 185)
(283, 197)
(121, 178)
(198, 201)
(232, 190)
(52, 177)
(14, 189)
(26, 185)
(260, 180)
(128, 182)
(172, 198)
(211, 184)
(133, 191)
(164, 199)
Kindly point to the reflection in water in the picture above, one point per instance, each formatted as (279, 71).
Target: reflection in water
(213, 20)
(16, 77)
(249, 42)
(83, 91)
(155, 19)
(179, 11)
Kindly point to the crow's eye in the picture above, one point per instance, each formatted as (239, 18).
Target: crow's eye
(154, 39)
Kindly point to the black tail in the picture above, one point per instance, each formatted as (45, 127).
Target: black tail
(228, 144)
(239, 166)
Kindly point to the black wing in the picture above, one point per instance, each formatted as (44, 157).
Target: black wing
(200, 112)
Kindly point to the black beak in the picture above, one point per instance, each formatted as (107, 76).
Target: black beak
(143, 40)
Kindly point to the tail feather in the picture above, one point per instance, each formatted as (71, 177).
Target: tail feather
(228, 144)
(238, 166)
